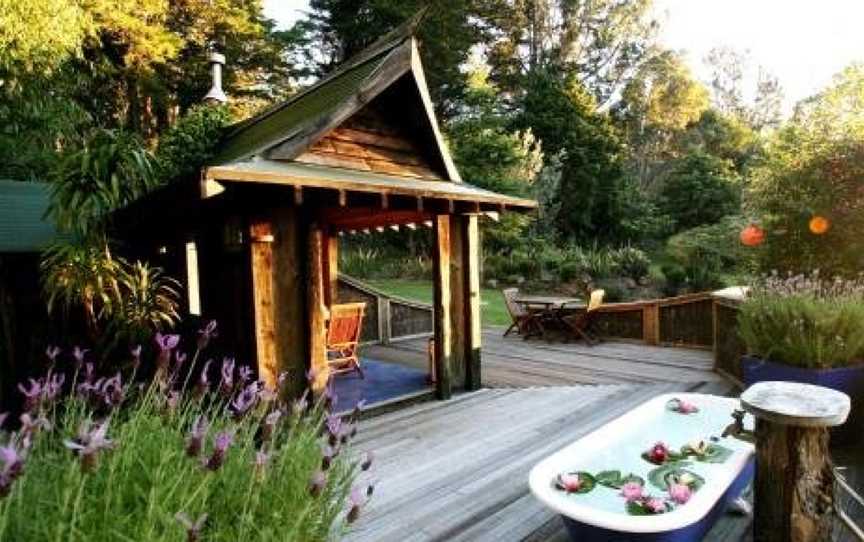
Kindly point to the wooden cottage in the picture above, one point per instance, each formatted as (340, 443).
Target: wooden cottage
(256, 236)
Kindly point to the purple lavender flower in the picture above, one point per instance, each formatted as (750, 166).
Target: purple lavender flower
(245, 373)
(262, 458)
(207, 333)
(334, 428)
(172, 400)
(111, 391)
(220, 448)
(53, 385)
(32, 395)
(357, 499)
(13, 466)
(311, 375)
(136, 356)
(269, 425)
(88, 444)
(330, 397)
(328, 453)
(166, 344)
(180, 357)
(193, 528)
(203, 384)
(226, 384)
(317, 483)
(195, 440)
(52, 352)
(79, 354)
(281, 380)
(299, 406)
(30, 425)
(245, 400)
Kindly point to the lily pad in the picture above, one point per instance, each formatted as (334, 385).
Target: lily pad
(587, 482)
(614, 479)
(671, 457)
(659, 477)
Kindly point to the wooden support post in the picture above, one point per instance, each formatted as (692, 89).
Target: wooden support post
(331, 267)
(317, 310)
(471, 261)
(458, 303)
(441, 305)
(794, 485)
(261, 251)
(651, 324)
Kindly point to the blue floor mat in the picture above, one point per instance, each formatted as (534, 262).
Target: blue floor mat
(383, 381)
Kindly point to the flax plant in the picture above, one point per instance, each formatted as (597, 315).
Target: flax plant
(805, 320)
(227, 462)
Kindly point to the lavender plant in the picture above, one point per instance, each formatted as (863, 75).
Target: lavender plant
(105, 459)
(805, 320)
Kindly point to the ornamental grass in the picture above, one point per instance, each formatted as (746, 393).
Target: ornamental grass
(199, 453)
(805, 321)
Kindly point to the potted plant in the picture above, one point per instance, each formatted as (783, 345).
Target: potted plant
(807, 329)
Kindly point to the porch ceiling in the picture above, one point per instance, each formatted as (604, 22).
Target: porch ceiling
(302, 175)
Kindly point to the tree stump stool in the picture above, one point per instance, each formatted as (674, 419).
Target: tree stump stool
(794, 483)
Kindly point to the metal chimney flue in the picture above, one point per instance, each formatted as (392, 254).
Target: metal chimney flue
(216, 94)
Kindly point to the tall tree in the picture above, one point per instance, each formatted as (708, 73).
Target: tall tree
(602, 42)
(730, 75)
(338, 29)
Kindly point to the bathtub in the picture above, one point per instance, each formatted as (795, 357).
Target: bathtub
(601, 515)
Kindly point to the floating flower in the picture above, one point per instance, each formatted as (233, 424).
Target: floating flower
(357, 499)
(571, 483)
(658, 454)
(654, 505)
(89, 443)
(205, 334)
(698, 447)
(195, 440)
(317, 483)
(193, 528)
(682, 406)
(631, 491)
(680, 493)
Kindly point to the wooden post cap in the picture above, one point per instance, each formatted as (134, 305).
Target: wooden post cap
(795, 404)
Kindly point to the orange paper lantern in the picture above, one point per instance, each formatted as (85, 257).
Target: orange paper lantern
(752, 235)
(819, 225)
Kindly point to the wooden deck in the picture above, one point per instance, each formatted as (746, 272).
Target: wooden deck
(512, 362)
(440, 478)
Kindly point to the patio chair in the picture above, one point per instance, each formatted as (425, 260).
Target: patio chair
(523, 321)
(581, 324)
(343, 338)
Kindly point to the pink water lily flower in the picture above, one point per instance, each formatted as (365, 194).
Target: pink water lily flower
(654, 505)
(631, 491)
(680, 493)
(658, 453)
(571, 483)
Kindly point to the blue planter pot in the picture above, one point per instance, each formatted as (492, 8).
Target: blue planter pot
(849, 380)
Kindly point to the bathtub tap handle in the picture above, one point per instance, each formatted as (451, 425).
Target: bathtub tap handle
(736, 428)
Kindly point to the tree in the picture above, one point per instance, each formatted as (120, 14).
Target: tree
(701, 189)
(814, 169)
(600, 42)
(337, 29)
(729, 73)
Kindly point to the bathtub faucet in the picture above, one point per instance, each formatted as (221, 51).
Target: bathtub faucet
(736, 428)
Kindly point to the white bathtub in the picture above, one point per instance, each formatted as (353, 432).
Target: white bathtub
(619, 444)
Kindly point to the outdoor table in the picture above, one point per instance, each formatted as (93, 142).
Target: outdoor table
(548, 309)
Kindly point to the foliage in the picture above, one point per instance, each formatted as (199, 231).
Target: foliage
(111, 170)
(701, 189)
(37, 36)
(730, 68)
(718, 242)
(133, 299)
(814, 167)
(805, 321)
(109, 462)
(192, 141)
(631, 262)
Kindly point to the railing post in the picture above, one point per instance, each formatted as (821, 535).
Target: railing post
(794, 485)
(384, 328)
(651, 323)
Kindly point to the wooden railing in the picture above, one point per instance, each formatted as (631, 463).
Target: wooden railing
(388, 318)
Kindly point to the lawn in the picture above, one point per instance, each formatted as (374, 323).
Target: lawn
(494, 312)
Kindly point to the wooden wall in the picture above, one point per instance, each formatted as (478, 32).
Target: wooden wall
(370, 141)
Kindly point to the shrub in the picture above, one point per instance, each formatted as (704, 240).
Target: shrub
(805, 321)
(631, 262)
(112, 461)
(192, 141)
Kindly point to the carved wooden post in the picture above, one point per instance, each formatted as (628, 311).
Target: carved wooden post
(794, 486)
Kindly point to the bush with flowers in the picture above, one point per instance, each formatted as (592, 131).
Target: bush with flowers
(202, 452)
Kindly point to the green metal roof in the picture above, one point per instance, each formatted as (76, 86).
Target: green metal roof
(304, 109)
(23, 226)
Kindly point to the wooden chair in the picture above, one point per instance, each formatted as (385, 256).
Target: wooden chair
(523, 321)
(581, 324)
(343, 338)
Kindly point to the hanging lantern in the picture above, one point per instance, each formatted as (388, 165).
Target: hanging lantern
(752, 235)
(819, 225)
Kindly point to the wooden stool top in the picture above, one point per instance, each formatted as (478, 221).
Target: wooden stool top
(795, 404)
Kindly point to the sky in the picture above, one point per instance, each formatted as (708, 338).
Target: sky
(803, 42)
